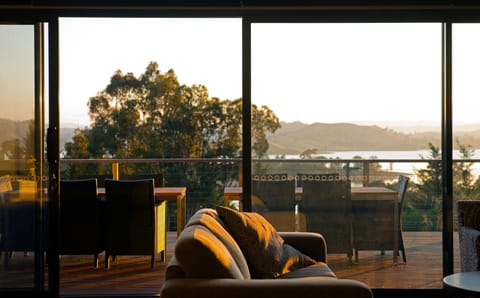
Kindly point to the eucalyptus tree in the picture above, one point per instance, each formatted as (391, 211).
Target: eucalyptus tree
(155, 116)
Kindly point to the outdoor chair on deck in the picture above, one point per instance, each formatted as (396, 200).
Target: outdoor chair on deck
(402, 190)
(80, 226)
(275, 200)
(158, 178)
(135, 224)
(469, 234)
(21, 206)
(327, 208)
(373, 223)
(301, 177)
(100, 178)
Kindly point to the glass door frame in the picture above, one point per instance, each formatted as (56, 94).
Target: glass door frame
(249, 16)
(38, 288)
(446, 117)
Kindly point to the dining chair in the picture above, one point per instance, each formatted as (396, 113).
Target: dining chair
(20, 208)
(327, 208)
(272, 177)
(468, 219)
(373, 223)
(80, 219)
(5, 186)
(100, 178)
(402, 190)
(275, 200)
(315, 177)
(135, 224)
(159, 180)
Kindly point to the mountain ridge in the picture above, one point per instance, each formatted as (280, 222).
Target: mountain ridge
(296, 137)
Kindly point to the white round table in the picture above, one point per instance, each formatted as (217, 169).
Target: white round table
(463, 283)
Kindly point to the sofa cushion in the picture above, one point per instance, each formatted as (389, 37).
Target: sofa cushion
(174, 269)
(320, 269)
(266, 253)
(209, 218)
(202, 255)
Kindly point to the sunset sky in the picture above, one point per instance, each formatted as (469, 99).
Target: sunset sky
(303, 72)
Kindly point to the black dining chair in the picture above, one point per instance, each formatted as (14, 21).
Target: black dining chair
(301, 177)
(81, 231)
(327, 208)
(23, 216)
(402, 191)
(374, 225)
(275, 200)
(135, 224)
(100, 178)
(159, 180)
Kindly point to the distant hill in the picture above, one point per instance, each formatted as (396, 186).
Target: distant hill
(12, 129)
(296, 137)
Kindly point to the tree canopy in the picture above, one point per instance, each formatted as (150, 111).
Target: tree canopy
(155, 116)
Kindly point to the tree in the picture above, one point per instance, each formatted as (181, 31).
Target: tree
(308, 153)
(462, 171)
(154, 116)
(426, 206)
(263, 121)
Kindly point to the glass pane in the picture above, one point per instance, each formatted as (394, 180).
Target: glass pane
(162, 95)
(19, 199)
(343, 111)
(466, 170)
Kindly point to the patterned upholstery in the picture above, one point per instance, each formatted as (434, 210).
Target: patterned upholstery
(469, 234)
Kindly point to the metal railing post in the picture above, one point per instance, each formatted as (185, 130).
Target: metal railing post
(240, 175)
(366, 173)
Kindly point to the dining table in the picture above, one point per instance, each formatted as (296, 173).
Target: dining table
(359, 194)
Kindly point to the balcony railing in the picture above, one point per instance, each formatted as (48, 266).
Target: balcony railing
(190, 172)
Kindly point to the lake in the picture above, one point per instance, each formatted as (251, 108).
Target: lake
(405, 167)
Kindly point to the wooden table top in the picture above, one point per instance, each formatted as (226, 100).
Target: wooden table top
(237, 191)
(159, 191)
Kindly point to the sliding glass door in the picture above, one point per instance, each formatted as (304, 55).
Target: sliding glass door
(22, 176)
(357, 103)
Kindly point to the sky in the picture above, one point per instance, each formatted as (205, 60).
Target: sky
(381, 73)
(16, 69)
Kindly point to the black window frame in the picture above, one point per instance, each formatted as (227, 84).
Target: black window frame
(441, 11)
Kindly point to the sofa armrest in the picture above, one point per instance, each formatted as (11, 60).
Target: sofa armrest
(469, 239)
(313, 287)
(311, 244)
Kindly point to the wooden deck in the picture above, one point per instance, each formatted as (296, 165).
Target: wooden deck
(132, 275)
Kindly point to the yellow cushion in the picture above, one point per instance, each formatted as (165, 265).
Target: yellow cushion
(266, 253)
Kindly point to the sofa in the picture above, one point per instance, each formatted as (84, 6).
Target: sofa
(226, 253)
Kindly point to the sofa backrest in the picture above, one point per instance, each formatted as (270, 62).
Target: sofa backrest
(205, 249)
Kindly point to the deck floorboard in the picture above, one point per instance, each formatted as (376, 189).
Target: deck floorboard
(133, 275)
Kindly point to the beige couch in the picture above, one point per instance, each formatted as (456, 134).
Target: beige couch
(214, 259)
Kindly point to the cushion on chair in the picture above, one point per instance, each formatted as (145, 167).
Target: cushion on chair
(266, 253)
(202, 255)
(320, 269)
(258, 205)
